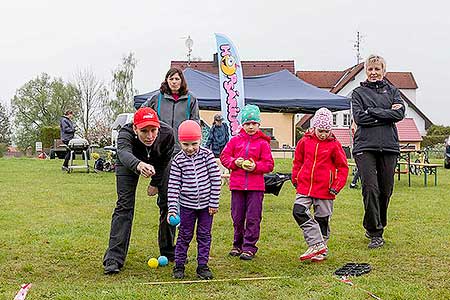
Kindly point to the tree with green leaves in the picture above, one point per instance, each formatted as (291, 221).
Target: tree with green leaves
(41, 102)
(5, 126)
(438, 130)
(122, 87)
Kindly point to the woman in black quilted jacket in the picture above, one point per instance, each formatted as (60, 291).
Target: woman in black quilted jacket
(376, 107)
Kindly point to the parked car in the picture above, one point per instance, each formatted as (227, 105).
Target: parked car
(120, 121)
(447, 153)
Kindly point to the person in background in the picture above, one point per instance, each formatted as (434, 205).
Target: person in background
(218, 136)
(319, 172)
(376, 107)
(144, 148)
(248, 156)
(67, 129)
(174, 103)
(194, 192)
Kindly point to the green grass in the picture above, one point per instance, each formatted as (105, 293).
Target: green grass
(54, 229)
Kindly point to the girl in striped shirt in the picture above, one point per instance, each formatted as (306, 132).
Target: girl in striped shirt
(193, 193)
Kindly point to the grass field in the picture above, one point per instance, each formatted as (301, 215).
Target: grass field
(54, 230)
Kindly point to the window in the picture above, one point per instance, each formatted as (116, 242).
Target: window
(334, 119)
(267, 131)
(346, 120)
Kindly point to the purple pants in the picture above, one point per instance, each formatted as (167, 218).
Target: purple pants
(246, 212)
(186, 233)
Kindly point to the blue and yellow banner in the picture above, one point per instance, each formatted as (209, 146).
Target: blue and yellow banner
(231, 82)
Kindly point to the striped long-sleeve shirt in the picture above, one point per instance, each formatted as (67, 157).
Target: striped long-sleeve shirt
(194, 181)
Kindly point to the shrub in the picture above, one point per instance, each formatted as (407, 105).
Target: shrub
(3, 149)
(48, 134)
(431, 140)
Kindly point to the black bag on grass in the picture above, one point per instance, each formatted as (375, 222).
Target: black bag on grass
(99, 164)
(274, 182)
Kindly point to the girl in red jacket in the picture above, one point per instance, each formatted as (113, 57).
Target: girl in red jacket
(319, 172)
(248, 156)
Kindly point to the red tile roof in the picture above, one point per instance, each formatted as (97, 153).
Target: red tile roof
(407, 132)
(349, 75)
(321, 79)
(343, 136)
(250, 67)
(303, 120)
(336, 80)
(402, 80)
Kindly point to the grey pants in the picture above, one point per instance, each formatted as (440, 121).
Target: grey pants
(315, 229)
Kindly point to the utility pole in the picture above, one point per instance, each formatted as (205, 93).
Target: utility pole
(357, 47)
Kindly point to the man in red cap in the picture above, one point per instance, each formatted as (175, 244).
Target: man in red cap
(143, 148)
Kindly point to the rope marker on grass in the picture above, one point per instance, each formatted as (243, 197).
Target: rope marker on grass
(213, 280)
(346, 280)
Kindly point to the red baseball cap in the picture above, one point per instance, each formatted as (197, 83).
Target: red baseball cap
(145, 116)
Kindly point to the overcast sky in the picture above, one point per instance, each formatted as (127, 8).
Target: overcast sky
(63, 37)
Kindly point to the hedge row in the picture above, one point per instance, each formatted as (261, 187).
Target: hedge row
(48, 134)
(433, 140)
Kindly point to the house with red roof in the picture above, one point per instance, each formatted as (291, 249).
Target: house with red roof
(411, 129)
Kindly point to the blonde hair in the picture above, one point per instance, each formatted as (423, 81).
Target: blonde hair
(375, 59)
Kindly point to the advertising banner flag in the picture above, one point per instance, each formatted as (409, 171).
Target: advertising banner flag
(231, 82)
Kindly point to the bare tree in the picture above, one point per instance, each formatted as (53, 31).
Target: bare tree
(93, 97)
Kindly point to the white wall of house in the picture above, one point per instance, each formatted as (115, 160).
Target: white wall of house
(410, 94)
(350, 86)
(420, 122)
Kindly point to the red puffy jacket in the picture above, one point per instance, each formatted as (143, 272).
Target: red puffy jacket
(256, 147)
(318, 166)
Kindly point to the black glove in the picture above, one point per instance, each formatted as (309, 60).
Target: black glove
(333, 191)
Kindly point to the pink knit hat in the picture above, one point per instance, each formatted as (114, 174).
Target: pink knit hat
(189, 131)
(323, 119)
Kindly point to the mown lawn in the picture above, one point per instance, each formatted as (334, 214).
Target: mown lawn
(54, 230)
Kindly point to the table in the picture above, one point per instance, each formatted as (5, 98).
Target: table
(406, 155)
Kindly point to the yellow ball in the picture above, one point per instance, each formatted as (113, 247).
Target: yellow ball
(246, 163)
(153, 263)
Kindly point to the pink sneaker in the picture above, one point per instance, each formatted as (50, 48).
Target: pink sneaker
(314, 250)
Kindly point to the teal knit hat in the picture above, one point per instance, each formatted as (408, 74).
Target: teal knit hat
(250, 113)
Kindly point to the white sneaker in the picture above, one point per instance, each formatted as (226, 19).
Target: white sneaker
(314, 250)
(320, 257)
